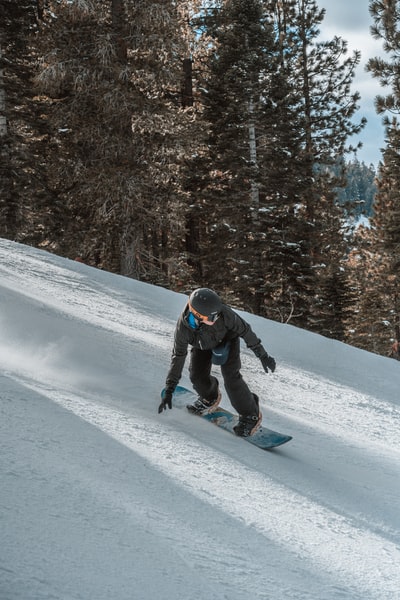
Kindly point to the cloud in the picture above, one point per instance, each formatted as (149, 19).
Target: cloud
(350, 15)
(350, 20)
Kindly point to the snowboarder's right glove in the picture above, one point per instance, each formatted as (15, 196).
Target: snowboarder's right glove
(166, 400)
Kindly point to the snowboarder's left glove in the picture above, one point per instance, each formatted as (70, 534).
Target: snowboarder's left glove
(166, 400)
(268, 363)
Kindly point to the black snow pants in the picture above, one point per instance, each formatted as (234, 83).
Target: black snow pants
(206, 385)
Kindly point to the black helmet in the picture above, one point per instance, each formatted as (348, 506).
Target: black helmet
(206, 303)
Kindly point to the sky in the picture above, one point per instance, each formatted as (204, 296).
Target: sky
(102, 498)
(350, 20)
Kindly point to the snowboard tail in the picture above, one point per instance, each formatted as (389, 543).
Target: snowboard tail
(263, 438)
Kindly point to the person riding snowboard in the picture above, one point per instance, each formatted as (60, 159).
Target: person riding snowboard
(213, 330)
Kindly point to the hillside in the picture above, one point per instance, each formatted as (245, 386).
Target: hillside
(101, 498)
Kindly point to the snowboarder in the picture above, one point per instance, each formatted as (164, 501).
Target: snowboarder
(213, 330)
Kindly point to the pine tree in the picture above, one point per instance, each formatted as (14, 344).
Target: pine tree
(279, 108)
(386, 17)
(324, 75)
(113, 72)
(247, 175)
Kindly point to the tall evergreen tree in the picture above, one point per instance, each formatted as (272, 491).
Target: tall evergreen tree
(113, 71)
(250, 177)
(323, 74)
(386, 27)
(280, 108)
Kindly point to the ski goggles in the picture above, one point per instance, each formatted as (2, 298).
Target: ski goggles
(208, 320)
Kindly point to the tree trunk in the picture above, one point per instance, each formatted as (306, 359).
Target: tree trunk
(187, 86)
(7, 202)
(254, 189)
(118, 21)
(3, 118)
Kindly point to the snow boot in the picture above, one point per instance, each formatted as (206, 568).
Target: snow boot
(249, 424)
(202, 406)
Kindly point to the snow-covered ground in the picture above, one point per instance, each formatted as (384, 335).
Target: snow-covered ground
(102, 498)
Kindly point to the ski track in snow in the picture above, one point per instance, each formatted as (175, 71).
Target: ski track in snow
(81, 301)
(355, 558)
(355, 415)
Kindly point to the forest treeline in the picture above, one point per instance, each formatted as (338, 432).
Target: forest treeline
(200, 143)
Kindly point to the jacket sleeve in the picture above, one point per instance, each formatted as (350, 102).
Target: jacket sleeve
(240, 327)
(179, 353)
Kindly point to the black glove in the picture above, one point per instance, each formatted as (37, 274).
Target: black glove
(166, 400)
(268, 363)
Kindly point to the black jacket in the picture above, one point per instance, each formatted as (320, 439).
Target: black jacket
(229, 325)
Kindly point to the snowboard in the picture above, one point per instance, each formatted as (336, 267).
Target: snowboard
(263, 438)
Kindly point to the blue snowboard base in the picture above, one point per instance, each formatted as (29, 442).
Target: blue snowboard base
(263, 438)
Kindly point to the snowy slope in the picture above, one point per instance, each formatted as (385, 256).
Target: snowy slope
(101, 498)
